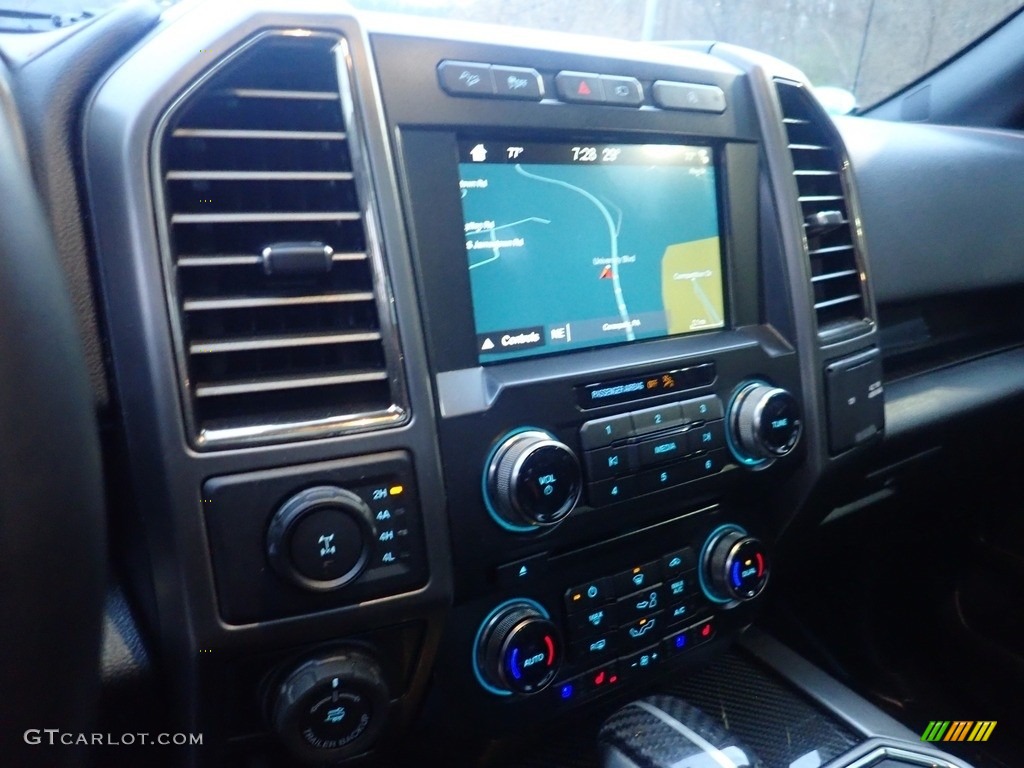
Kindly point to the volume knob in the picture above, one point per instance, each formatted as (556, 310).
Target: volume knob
(531, 480)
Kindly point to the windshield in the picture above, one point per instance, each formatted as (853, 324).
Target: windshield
(871, 48)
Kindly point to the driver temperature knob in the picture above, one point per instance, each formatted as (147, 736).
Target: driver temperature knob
(764, 423)
(532, 480)
(518, 649)
(735, 566)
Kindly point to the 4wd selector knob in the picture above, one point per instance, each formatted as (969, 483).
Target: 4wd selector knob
(735, 566)
(518, 649)
(764, 423)
(531, 480)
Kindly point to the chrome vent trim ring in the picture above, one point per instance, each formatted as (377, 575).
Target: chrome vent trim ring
(333, 371)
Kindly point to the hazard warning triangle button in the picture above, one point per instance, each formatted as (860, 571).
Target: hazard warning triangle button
(579, 87)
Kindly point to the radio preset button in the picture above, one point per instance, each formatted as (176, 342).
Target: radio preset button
(707, 465)
(703, 409)
(664, 477)
(612, 491)
(655, 419)
(603, 432)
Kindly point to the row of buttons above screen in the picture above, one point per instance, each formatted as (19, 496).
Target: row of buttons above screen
(473, 78)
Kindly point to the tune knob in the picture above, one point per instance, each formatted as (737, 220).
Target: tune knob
(532, 479)
(330, 707)
(734, 566)
(764, 423)
(320, 538)
(518, 649)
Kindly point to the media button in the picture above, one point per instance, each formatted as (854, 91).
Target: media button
(466, 78)
(517, 83)
(671, 447)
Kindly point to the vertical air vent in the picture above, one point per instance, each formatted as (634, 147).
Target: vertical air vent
(271, 270)
(819, 168)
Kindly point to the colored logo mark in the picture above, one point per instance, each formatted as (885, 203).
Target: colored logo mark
(959, 730)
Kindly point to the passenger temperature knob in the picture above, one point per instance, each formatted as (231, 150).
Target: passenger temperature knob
(518, 650)
(764, 423)
(735, 566)
(532, 480)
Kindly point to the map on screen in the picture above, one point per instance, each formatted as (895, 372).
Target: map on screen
(576, 246)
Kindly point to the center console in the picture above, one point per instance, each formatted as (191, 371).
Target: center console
(614, 405)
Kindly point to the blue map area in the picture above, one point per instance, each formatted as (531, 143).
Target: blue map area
(573, 254)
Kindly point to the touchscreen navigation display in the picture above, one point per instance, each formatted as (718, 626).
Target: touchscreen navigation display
(572, 246)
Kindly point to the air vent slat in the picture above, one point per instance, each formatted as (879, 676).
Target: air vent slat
(820, 188)
(833, 275)
(256, 174)
(258, 135)
(266, 93)
(245, 218)
(199, 305)
(259, 176)
(248, 345)
(251, 387)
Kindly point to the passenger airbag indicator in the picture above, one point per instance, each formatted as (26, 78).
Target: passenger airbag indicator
(643, 387)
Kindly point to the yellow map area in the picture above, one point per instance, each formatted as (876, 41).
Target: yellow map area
(691, 286)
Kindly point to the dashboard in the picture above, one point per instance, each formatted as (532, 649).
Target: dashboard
(469, 379)
(460, 357)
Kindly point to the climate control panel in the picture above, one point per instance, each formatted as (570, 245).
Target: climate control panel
(610, 628)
